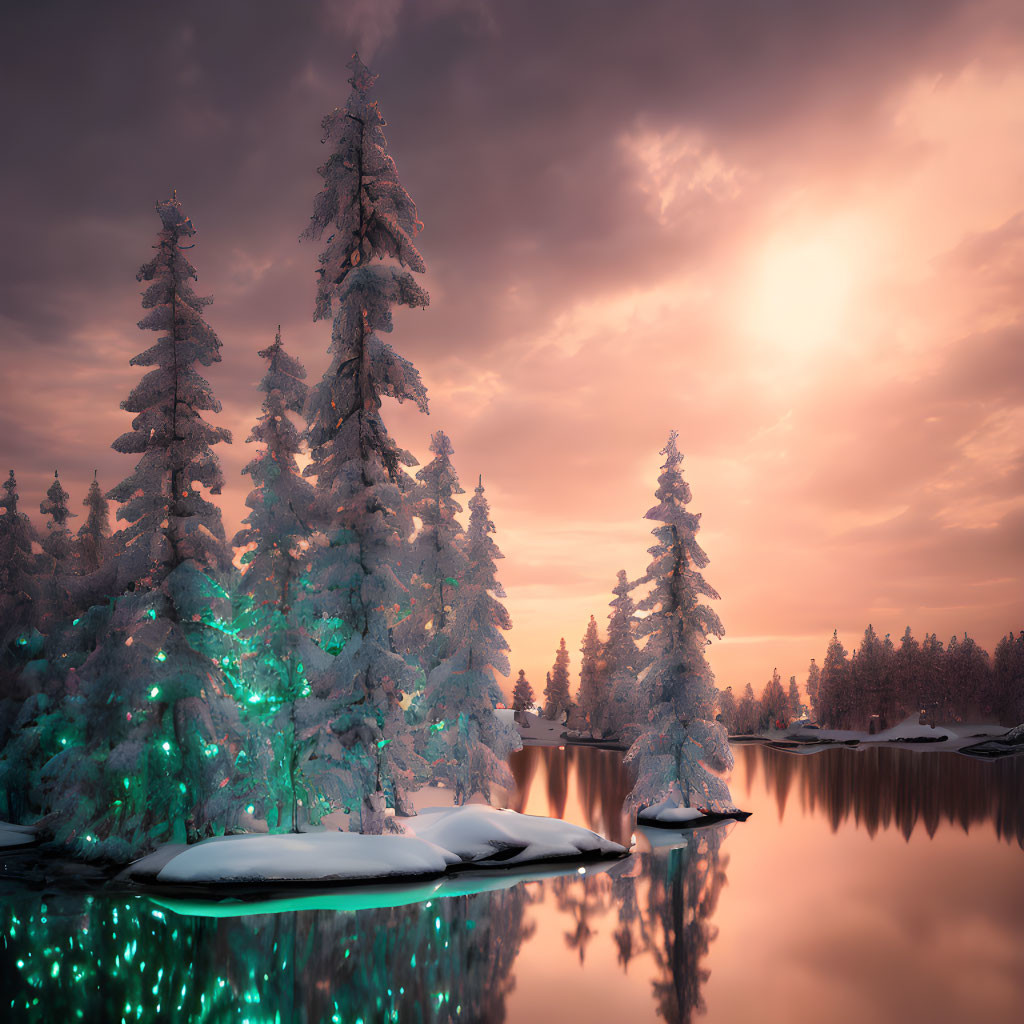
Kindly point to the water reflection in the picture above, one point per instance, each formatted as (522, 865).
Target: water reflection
(634, 940)
(110, 959)
(881, 788)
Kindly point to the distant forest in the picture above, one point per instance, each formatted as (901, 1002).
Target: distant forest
(881, 684)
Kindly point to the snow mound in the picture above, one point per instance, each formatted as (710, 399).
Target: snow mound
(489, 836)
(668, 810)
(307, 857)
(16, 835)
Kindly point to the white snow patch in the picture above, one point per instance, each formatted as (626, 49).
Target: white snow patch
(669, 811)
(16, 835)
(306, 857)
(479, 834)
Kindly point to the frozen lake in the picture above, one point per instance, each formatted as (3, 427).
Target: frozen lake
(880, 885)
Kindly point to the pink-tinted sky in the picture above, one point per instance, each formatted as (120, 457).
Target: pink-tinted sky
(793, 232)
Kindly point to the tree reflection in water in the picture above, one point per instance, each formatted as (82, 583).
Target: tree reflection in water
(883, 787)
(127, 959)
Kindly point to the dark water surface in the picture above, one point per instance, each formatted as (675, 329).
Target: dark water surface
(874, 885)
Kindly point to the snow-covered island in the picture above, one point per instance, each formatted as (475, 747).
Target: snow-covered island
(437, 841)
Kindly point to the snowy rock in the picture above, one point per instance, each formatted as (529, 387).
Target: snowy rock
(306, 857)
(669, 811)
(486, 836)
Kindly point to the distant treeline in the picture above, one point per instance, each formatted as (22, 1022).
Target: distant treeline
(880, 684)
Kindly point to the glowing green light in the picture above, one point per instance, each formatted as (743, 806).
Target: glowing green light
(154, 693)
(161, 655)
(166, 746)
(382, 743)
(255, 698)
(74, 622)
(151, 613)
(22, 641)
(181, 786)
(211, 750)
(127, 783)
(250, 809)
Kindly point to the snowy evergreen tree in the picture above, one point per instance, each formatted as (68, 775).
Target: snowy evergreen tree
(682, 746)
(748, 712)
(556, 693)
(93, 536)
(364, 747)
(438, 558)
(17, 570)
(1007, 701)
(57, 547)
(57, 543)
(812, 685)
(727, 709)
(774, 704)
(470, 745)
(794, 706)
(140, 759)
(833, 694)
(622, 660)
(271, 678)
(522, 694)
(593, 694)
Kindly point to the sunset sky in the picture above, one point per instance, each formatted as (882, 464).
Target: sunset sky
(792, 231)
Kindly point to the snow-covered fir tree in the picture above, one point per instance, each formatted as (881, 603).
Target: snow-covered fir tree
(365, 749)
(556, 692)
(748, 712)
(139, 758)
(271, 678)
(593, 694)
(438, 557)
(57, 545)
(682, 746)
(794, 706)
(727, 709)
(470, 745)
(522, 693)
(774, 704)
(812, 685)
(94, 534)
(622, 659)
(833, 691)
(17, 570)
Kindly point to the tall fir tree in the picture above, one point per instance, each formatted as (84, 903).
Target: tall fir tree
(370, 220)
(522, 693)
(748, 712)
(140, 760)
(682, 746)
(794, 706)
(271, 678)
(727, 709)
(593, 694)
(622, 660)
(812, 685)
(438, 558)
(58, 545)
(94, 534)
(556, 693)
(17, 572)
(470, 745)
(834, 698)
(774, 704)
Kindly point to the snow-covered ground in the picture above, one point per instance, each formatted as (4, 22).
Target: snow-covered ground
(439, 840)
(670, 813)
(908, 734)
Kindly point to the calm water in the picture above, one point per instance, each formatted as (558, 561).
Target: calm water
(868, 886)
